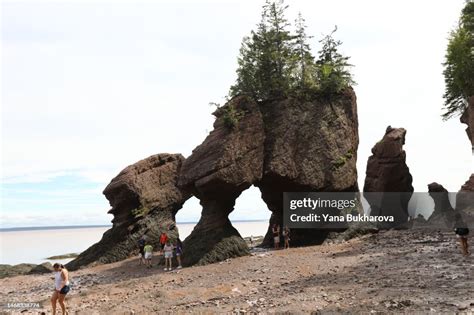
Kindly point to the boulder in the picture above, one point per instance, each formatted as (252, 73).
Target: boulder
(15, 270)
(388, 183)
(144, 199)
(42, 268)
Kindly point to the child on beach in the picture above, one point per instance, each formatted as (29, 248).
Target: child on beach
(168, 250)
(276, 236)
(179, 252)
(141, 252)
(286, 236)
(148, 249)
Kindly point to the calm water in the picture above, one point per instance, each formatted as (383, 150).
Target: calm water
(33, 246)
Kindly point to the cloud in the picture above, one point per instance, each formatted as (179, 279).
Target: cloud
(87, 99)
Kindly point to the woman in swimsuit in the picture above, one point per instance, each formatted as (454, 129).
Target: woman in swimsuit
(61, 287)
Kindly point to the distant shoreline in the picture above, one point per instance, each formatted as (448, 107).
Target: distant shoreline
(67, 227)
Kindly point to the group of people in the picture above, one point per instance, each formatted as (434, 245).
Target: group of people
(167, 249)
(276, 236)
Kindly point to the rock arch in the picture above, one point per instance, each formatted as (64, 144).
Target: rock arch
(279, 145)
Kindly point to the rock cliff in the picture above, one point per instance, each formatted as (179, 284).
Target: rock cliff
(144, 199)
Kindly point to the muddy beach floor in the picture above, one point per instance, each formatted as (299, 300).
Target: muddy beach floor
(389, 272)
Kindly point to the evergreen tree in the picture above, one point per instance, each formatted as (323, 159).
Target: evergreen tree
(275, 63)
(459, 64)
(332, 68)
(280, 47)
(304, 70)
(265, 69)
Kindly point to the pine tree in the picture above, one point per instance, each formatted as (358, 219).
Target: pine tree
(264, 63)
(280, 48)
(304, 69)
(459, 65)
(275, 63)
(332, 67)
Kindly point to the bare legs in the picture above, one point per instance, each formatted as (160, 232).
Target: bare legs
(54, 299)
(62, 303)
(464, 246)
(168, 262)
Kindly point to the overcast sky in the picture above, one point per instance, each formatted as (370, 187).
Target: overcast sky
(91, 87)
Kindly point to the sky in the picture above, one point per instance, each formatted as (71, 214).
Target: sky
(90, 87)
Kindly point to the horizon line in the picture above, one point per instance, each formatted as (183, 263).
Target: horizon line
(59, 227)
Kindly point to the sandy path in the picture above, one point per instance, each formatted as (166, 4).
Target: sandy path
(393, 271)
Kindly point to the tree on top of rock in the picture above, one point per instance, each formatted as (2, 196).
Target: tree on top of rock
(459, 64)
(275, 63)
(304, 72)
(332, 67)
(264, 69)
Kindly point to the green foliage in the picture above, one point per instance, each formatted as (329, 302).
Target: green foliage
(275, 63)
(331, 67)
(342, 160)
(337, 164)
(264, 62)
(304, 75)
(459, 64)
(231, 116)
(140, 212)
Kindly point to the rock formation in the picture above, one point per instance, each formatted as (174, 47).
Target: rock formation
(440, 197)
(443, 213)
(468, 119)
(279, 146)
(465, 197)
(309, 146)
(228, 161)
(144, 199)
(388, 183)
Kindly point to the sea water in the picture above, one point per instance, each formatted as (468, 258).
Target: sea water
(35, 245)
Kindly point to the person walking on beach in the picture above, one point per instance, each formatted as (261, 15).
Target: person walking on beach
(462, 232)
(61, 287)
(141, 250)
(163, 240)
(179, 252)
(148, 249)
(276, 236)
(286, 237)
(168, 250)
